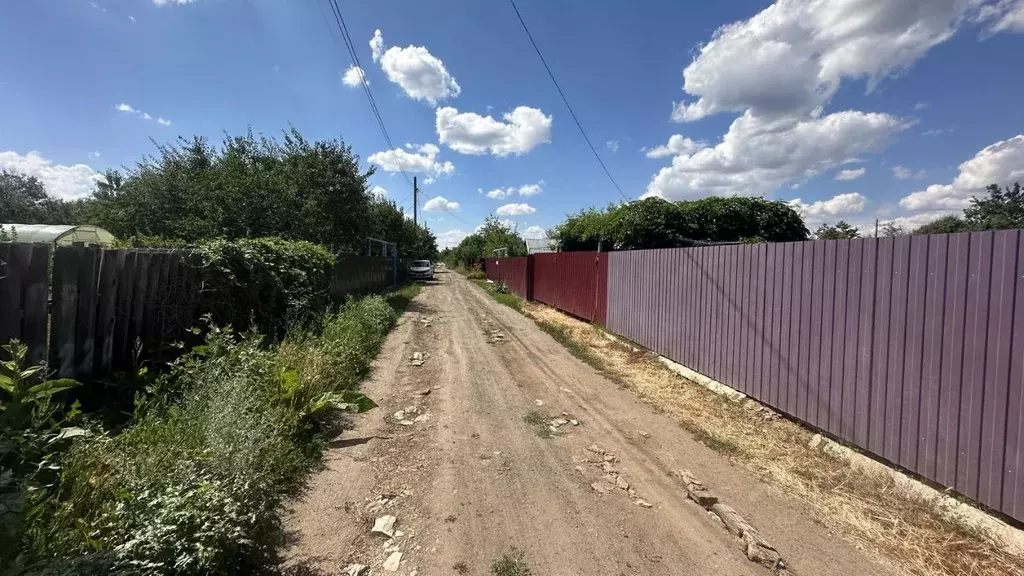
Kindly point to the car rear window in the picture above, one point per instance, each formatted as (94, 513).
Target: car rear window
(421, 263)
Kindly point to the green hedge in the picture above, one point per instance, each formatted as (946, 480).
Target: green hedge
(267, 284)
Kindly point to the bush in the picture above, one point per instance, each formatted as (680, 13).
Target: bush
(267, 284)
(194, 485)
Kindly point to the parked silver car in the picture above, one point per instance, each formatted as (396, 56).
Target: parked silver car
(421, 270)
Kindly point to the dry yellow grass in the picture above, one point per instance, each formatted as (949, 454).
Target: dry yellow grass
(869, 508)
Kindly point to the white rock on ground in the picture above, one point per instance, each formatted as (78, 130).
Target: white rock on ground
(384, 525)
(391, 564)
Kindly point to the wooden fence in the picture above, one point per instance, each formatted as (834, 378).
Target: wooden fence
(90, 311)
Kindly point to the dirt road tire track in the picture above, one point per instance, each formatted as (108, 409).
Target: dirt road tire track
(474, 479)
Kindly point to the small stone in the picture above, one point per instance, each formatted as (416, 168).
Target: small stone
(599, 488)
(645, 434)
(391, 564)
(422, 418)
(538, 402)
(412, 410)
(609, 457)
(399, 533)
(643, 503)
(417, 362)
(815, 441)
(621, 483)
(355, 570)
(574, 422)
(559, 422)
(384, 526)
(607, 467)
(400, 415)
(424, 392)
(595, 449)
(406, 422)
(631, 492)
(760, 551)
(580, 470)
(732, 520)
(703, 497)
(688, 478)
(552, 429)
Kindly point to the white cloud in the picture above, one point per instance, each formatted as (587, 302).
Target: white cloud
(535, 233)
(526, 190)
(524, 129)
(850, 174)
(822, 210)
(791, 57)
(1003, 16)
(515, 210)
(415, 70)
(932, 132)
(612, 145)
(1001, 163)
(757, 156)
(94, 155)
(450, 239)
(122, 107)
(379, 192)
(60, 180)
(904, 173)
(178, 2)
(921, 106)
(132, 18)
(428, 181)
(353, 77)
(441, 204)
(498, 193)
(128, 109)
(424, 161)
(531, 189)
(677, 146)
(163, 121)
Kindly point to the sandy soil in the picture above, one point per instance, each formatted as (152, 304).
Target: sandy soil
(468, 479)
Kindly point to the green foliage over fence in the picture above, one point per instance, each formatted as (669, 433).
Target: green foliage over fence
(657, 223)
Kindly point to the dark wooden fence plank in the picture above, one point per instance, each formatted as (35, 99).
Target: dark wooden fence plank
(106, 295)
(85, 328)
(14, 272)
(64, 311)
(35, 321)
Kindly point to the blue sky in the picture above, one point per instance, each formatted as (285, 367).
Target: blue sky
(913, 106)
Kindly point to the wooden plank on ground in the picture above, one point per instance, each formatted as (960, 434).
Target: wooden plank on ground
(64, 311)
(35, 323)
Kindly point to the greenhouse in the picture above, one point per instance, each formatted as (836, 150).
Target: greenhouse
(58, 235)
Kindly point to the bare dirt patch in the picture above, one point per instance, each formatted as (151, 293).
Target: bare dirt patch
(867, 508)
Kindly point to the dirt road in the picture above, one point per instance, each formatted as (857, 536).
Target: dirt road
(469, 478)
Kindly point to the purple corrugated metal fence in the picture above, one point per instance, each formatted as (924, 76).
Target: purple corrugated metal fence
(513, 271)
(911, 348)
(575, 282)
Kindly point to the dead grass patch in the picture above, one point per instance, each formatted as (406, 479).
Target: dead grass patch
(869, 508)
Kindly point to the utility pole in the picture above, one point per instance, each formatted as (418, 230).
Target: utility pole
(415, 200)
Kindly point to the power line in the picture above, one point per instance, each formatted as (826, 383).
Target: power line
(566, 100)
(350, 47)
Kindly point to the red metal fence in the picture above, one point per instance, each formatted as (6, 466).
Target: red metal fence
(576, 282)
(912, 348)
(514, 272)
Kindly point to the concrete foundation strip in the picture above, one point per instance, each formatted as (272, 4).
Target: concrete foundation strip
(756, 548)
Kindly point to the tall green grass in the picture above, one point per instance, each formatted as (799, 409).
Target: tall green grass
(195, 484)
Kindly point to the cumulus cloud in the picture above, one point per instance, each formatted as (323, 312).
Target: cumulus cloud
(441, 204)
(523, 130)
(612, 145)
(850, 174)
(66, 181)
(172, 2)
(415, 70)
(122, 107)
(1000, 163)
(791, 57)
(379, 192)
(353, 77)
(677, 145)
(535, 233)
(423, 160)
(515, 210)
(904, 173)
(757, 156)
(837, 206)
(451, 238)
(526, 190)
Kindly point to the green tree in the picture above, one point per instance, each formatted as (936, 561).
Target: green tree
(656, 223)
(840, 231)
(1003, 208)
(946, 225)
(23, 200)
(891, 230)
(479, 246)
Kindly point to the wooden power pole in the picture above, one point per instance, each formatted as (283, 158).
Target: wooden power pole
(415, 201)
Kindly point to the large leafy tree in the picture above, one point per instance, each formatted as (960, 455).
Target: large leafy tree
(656, 223)
(23, 200)
(945, 225)
(839, 231)
(476, 247)
(1002, 208)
